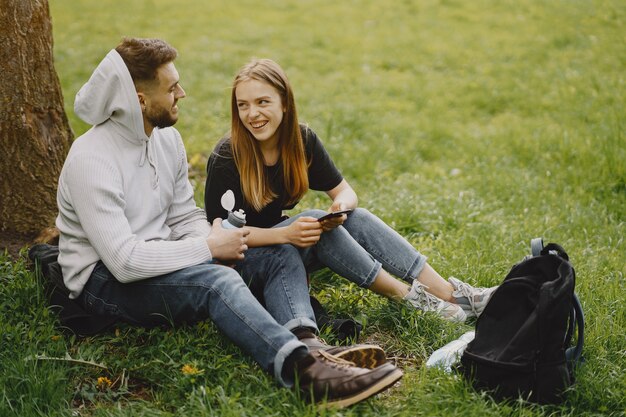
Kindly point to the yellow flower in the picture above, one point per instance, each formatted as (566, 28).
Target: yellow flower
(103, 383)
(55, 337)
(191, 370)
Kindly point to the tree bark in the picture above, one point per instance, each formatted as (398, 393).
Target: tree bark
(34, 130)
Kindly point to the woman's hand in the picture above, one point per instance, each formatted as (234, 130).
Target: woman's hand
(334, 222)
(343, 197)
(303, 232)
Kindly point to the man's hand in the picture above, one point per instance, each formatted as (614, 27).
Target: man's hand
(304, 232)
(227, 244)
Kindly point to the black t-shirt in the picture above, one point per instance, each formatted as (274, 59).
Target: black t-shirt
(222, 175)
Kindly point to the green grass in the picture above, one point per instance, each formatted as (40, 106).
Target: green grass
(470, 126)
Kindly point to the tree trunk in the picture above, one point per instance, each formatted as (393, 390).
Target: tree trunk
(34, 130)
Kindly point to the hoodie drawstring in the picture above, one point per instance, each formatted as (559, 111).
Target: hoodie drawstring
(147, 153)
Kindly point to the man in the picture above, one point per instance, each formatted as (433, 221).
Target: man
(133, 244)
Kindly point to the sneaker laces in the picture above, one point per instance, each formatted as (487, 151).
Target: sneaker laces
(426, 300)
(464, 291)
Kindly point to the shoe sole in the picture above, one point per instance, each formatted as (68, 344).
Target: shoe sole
(384, 383)
(363, 356)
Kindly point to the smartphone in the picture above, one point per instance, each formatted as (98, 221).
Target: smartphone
(335, 214)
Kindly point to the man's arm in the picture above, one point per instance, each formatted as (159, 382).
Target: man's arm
(95, 189)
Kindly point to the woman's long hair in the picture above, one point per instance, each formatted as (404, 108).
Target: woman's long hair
(247, 152)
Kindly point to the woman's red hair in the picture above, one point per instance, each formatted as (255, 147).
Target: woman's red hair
(247, 152)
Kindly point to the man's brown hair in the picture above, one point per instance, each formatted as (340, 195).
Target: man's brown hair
(144, 56)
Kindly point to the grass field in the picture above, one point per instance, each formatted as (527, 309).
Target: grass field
(470, 126)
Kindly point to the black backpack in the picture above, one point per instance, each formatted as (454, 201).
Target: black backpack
(523, 337)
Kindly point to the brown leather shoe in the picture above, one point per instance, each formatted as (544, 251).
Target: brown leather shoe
(363, 356)
(323, 376)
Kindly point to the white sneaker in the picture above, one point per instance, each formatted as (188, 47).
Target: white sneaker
(419, 298)
(472, 300)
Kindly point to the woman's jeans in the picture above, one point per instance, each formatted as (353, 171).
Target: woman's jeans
(218, 292)
(359, 248)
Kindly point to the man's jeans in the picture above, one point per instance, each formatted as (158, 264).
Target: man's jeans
(219, 293)
(359, 248)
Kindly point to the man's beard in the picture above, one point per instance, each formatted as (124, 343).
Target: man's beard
(160, 117)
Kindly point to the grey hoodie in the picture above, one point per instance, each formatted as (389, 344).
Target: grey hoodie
(125, 198)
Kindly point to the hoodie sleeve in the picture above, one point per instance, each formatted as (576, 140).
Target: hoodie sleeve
(100, 212)
(184, 218)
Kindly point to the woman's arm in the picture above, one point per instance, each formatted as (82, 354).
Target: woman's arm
(343, 197)
(303, 232)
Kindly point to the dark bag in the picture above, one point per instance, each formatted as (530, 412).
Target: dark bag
(345, 330)
(523, 337)
(71, 314)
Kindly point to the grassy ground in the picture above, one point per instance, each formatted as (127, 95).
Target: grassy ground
(470, 126)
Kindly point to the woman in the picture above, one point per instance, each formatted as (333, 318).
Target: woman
(270, 161)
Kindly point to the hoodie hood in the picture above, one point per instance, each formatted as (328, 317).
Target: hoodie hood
(110, 95)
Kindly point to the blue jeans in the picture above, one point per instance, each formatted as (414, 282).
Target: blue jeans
(359, 248)
(219, 293)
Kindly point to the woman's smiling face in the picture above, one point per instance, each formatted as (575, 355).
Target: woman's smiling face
(260, 109)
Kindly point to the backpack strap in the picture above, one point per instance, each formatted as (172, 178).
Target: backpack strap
(577, 319)
(573, 354)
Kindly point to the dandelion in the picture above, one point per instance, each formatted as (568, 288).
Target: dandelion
(55, 337)
(103, 383)
(191, 370)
